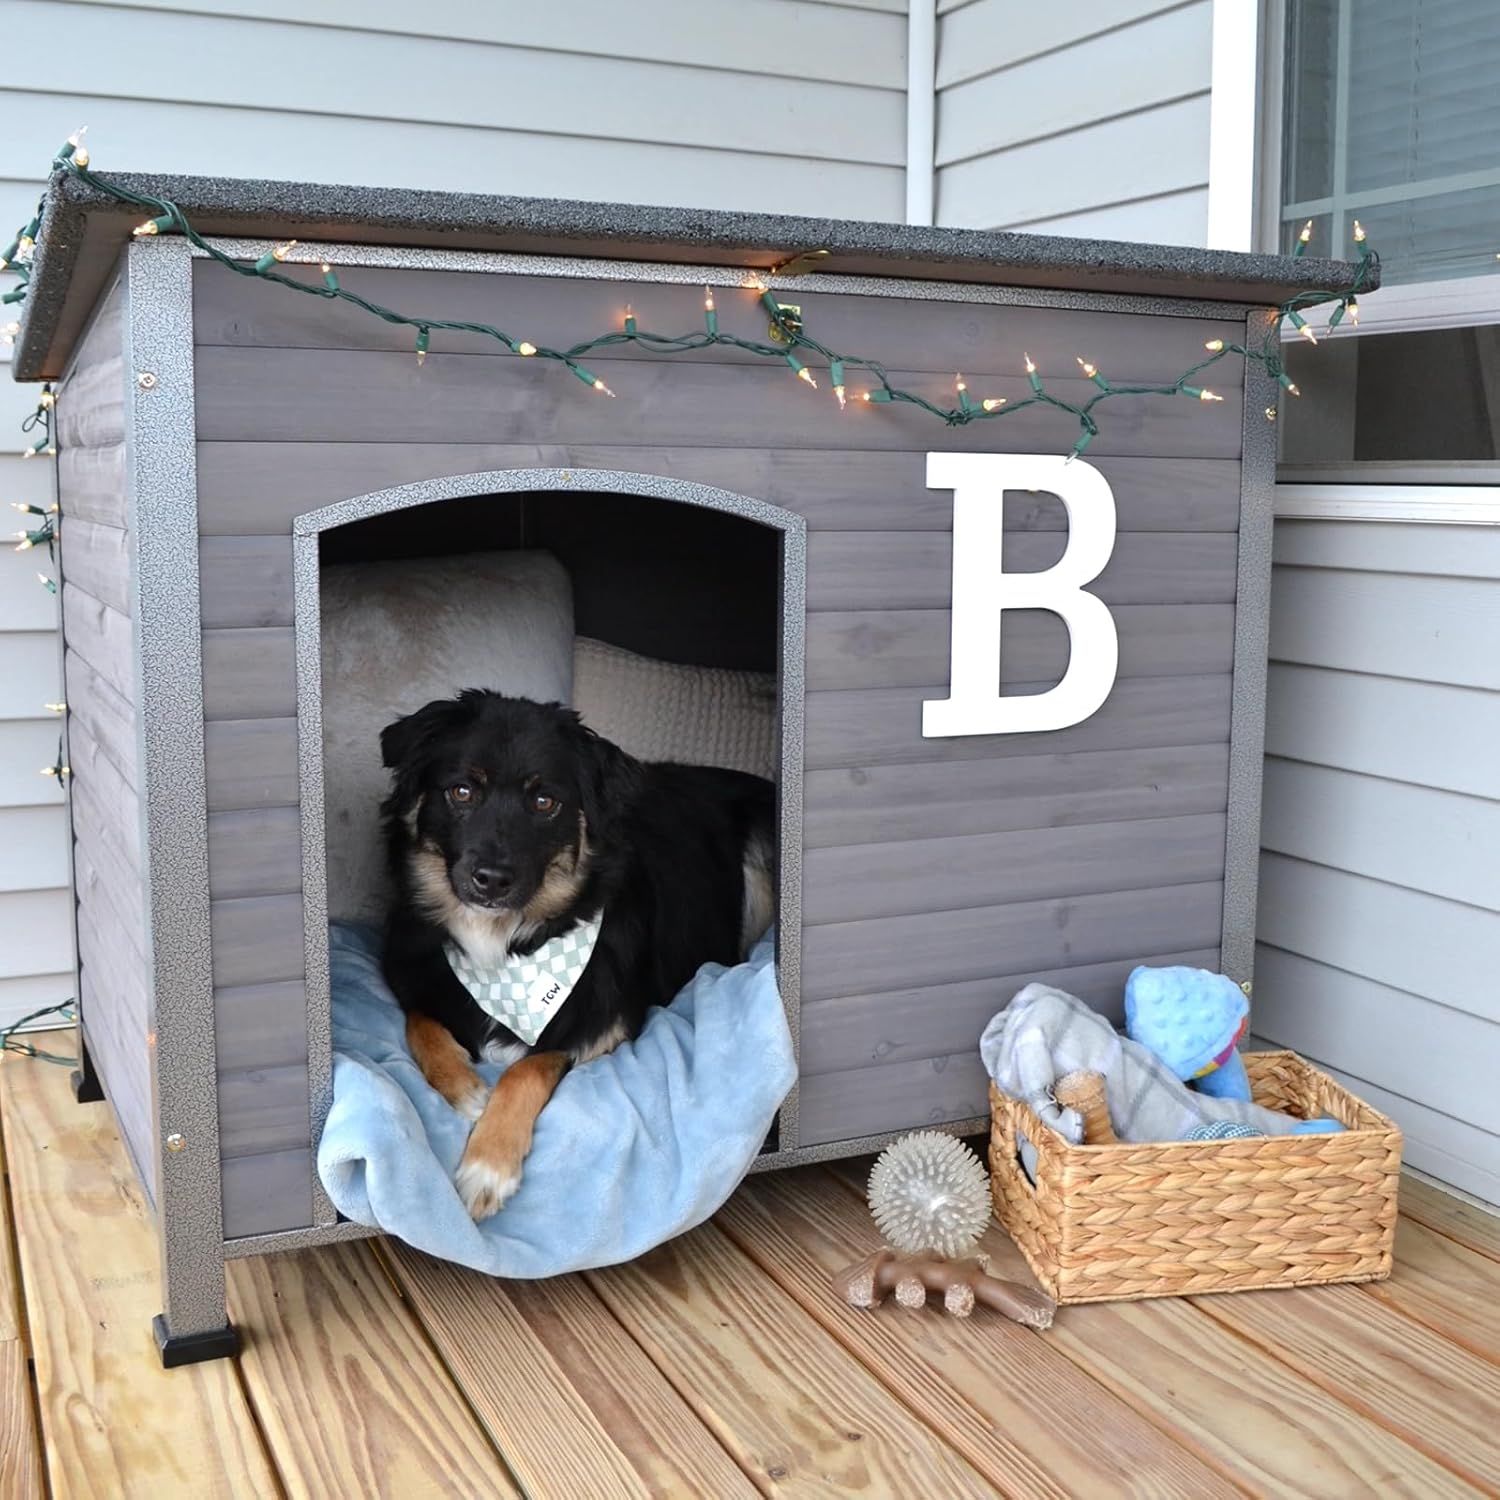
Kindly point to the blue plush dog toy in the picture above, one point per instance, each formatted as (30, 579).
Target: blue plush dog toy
(1193, 1021)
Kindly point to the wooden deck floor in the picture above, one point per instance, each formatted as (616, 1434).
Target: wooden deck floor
(719, 1366)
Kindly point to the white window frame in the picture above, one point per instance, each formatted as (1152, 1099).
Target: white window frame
(1236, 124)
(1456, 302)
(1420, 504)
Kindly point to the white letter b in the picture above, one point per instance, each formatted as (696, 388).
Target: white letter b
(983, 591)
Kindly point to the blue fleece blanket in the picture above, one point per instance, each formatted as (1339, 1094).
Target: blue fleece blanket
(634, 1147)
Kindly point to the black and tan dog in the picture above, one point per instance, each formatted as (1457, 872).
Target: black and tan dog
(521, 844)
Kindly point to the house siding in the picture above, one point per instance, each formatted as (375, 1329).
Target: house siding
(790, 105)
(1380, 890)
(1075, 119)
(35, 909)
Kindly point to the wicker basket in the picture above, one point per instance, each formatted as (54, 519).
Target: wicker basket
(1105, 1223)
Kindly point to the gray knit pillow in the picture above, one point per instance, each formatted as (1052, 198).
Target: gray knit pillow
(658, 710)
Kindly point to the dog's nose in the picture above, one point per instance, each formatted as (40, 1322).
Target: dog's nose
(491, 880)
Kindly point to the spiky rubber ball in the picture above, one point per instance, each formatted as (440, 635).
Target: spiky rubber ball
(929, 1193)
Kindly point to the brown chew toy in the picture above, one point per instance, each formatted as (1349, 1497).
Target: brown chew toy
(1084, 1092)
(962, 1283)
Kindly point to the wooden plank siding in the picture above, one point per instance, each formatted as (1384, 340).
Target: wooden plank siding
(924, 874)
(932, 865)
(858, 582)
(108, 717)
(900, 967)
(869, 648)
(99, 636)
(942, 1020)
(257, 488)
(1084, 120)
(1380, 891)
(383, 398)
(920, 334)
(97, 570)
(267, 1192)
(933, 799)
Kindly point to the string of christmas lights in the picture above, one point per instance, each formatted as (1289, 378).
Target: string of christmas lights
(792, 343)
(17, 258)
(43, 529)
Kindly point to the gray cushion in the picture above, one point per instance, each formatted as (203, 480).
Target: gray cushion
(397, 635)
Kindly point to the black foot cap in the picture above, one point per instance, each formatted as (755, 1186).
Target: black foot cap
(86, 1086)
(86, 1089)
(194, 1348)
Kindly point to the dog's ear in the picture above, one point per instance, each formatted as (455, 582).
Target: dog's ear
(609, 780)
(407, 742)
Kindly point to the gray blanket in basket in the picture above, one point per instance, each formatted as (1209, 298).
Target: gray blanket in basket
(1045, 1034)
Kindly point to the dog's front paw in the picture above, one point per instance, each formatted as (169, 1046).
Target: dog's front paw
(486, 1181)
(470, 1102)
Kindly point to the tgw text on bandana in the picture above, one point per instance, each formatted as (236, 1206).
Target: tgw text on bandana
(525, 992)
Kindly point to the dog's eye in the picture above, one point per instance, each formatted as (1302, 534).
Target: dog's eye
(541, 802)
(461, 793)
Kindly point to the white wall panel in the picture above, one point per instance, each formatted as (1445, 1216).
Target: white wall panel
(1379, 919)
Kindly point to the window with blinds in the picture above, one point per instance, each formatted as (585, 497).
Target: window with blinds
(1393, 117)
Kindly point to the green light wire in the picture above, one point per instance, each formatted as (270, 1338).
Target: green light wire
(8, 1035)
(167, 217)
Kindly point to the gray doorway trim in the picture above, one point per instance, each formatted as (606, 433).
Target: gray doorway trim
(307, 532)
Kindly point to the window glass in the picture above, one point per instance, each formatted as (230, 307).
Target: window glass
(1307, 145)
(1393, 117)
(1432, 395)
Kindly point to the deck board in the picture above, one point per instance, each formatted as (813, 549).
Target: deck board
(1275, 1431)
(1261, 1423)
(720, 1365)
(11, 1319)
(1451, 1216)
(1434, 1395)
(20, 1457)
(1445, 1285)
(573, 1403)
(114, 1423)
(380, 1416)
(20, 1453)
(797, 1410)
(653, 1426)
(995, 1394)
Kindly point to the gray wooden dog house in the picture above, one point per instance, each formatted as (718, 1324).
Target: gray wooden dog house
(212, 429)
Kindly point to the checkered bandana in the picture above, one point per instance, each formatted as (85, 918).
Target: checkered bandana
(524, 994)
